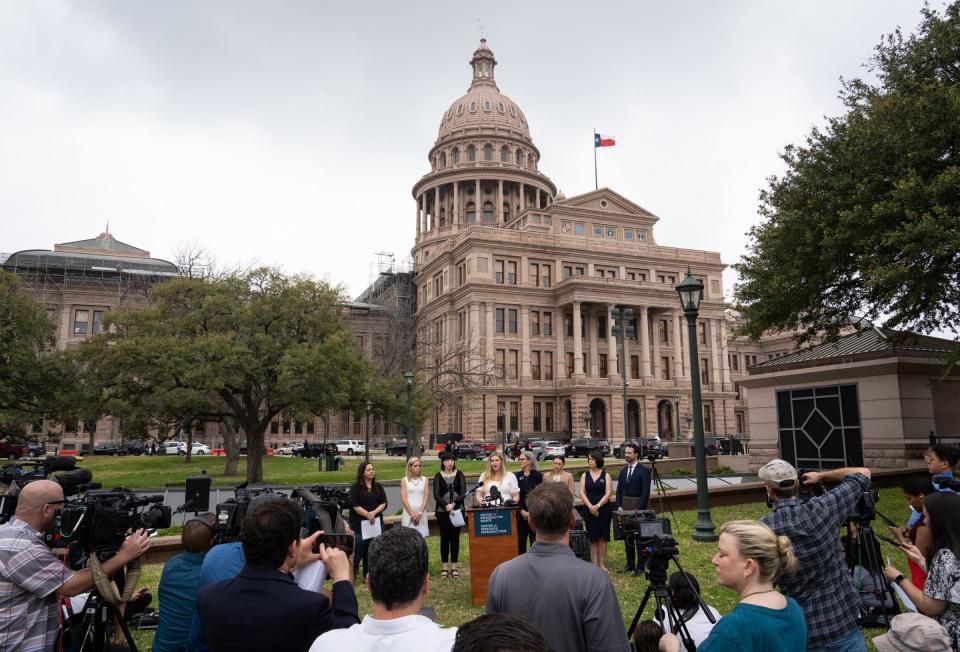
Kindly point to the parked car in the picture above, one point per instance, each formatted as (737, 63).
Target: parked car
(552, 449)
(199, 449)
(713, 445)
(398, 448)
(13, 451)
(108, 449)
(134, 447)
(469, 450)
(582, 446)
(288, 449)
(445, 437)
(488, 446)
(647, 447)
(173, 448)
(316, 449)
(350, 447)
(36, 450)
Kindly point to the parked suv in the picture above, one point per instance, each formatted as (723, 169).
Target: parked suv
(581, 447)
(319, 449)
(13, 451)
(350, 447)
(713, 446)
(468, 450)
(648, 447)
(398, 448)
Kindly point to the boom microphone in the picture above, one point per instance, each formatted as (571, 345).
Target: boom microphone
(72, 481)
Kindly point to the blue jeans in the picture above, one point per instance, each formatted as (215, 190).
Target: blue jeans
(852, 642)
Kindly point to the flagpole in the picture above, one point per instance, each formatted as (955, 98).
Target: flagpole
(596, 186)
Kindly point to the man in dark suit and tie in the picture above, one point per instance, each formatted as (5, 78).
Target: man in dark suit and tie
(633, 492)
(262, 608)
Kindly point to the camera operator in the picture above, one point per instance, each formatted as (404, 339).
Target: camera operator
(263, 608)
(822, 586)
(31, 576)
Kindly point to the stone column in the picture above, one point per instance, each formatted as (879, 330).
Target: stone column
(499, 206)
(473, 328)
(489, 308)
(593, 358)
(714, 336)
(525, 344)
(656, 347)
(538, 199)
(626, 354)
(644, 343)
(423, 212)
(478, 204)
(418, 218)
(523, 199)
(455, 213)
(560, 355)
(577, 341)
(436, 205)
(677, 353)
(724, 357)
(611, 347)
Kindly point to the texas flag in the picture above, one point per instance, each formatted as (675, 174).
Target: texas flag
(602, 140)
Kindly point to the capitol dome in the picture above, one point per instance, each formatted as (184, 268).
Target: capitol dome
(483, 105)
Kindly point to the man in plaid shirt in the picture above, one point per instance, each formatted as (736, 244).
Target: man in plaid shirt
(822, 586)
(31, 576)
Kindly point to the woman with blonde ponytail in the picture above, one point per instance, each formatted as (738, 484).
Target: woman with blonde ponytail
(750, 559)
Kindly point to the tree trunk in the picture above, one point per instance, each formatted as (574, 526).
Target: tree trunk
(255, 439)
(189, 443)
(231, 447)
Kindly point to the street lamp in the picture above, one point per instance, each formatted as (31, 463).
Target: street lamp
(366, 446)
(408, 379)
(690, 291)
(678, 436)
(503, 422)
(623, 329)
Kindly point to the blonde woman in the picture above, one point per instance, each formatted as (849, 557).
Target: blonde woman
(750, 559)
(414, 494)
(559, 473)
(497, 475)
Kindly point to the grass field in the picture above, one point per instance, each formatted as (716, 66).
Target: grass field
(451, 598)
(157, 471)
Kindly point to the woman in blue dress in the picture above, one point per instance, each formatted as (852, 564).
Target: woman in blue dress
(595, 489)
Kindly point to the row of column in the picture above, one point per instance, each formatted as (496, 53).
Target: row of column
(650, 365)
(428, 209)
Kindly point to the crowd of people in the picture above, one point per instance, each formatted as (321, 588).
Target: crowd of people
(793, 586)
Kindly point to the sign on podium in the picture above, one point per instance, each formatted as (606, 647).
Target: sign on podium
(493, 540)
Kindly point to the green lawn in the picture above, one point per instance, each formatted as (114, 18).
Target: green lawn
(451, 598)
(157, 471)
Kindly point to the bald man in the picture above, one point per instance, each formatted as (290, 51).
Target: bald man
(31, 576)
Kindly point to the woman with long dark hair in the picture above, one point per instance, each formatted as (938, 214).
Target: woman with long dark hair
(449, 490)
(367, 502)
(595, 492)
(940, 597)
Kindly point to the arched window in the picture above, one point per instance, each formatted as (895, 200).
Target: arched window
(519, 157)
(487, 212)
(471, 213)
(530, 164)
(504, 154)
(471, 153)
(456, 155)
(443, 160)
(506, 212)
(488, 152)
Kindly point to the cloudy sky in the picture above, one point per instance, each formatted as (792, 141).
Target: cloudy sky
(291, 132)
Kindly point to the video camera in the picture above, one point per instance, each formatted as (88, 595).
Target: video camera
(14, 477)
(322, 507)
(865, 509)
(947, 482)
(230, 513)
(651, 534)
(100, 521)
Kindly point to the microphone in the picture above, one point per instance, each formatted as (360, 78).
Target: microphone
(494, 494)
(71, 481)
(62, 463)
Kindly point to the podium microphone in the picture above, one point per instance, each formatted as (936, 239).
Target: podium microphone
(495, 495)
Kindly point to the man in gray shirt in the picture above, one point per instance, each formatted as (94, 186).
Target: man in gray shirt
(571, 601)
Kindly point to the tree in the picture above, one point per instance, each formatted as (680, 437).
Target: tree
(240, 350)
(29, 371)
(866, 219)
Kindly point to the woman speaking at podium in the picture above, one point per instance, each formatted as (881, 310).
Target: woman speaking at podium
(497, 476)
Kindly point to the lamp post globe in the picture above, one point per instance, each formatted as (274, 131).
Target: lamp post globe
(691, 291)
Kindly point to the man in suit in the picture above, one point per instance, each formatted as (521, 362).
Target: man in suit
(634, 484)
(263, 608)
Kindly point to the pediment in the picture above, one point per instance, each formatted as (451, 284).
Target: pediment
(607, 201)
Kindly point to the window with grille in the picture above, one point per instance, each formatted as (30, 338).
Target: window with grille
(819, 427)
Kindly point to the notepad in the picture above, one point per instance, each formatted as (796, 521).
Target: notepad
(370, 531)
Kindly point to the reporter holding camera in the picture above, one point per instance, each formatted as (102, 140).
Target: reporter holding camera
(822, 584)
(32, 578)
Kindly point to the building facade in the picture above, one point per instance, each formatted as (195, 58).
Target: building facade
(520, 282)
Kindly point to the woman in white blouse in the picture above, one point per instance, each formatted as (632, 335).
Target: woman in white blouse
(414, 494)
(496, 474)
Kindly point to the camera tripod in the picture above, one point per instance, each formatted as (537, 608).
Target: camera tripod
(666, 610)
(93, 631)
(866, 568)
(661, 489)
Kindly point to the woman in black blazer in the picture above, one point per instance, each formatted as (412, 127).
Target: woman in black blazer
(367, 502)
(449, 489)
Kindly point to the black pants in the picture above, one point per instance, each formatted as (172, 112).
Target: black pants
(524, 532)
(360, 547)
(449, 538)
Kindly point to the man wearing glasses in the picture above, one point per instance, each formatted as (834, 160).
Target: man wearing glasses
(32, 578)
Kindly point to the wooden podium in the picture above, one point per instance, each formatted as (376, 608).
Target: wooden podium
(493, 540)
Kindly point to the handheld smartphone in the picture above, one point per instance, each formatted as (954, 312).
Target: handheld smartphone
(342, 541)
(892, 542)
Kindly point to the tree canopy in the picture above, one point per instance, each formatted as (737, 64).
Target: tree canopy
(865, 222)
(240, 349)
